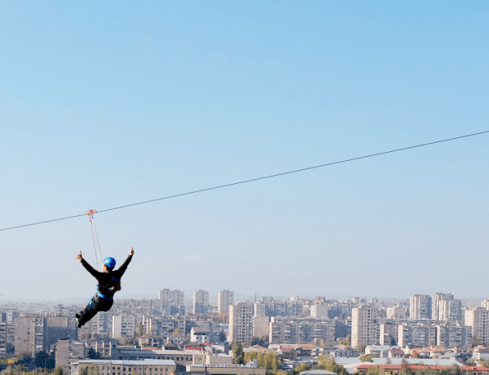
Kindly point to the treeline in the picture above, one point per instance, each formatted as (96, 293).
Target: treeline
(21, 370)
(25, 364)
(271, 362)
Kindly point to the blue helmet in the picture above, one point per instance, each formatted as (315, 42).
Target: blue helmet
(109, 262)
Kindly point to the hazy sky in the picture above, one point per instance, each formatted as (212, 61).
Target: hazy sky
(114, 102)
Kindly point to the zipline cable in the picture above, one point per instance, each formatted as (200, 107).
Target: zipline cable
(260, 178)
(95, 239)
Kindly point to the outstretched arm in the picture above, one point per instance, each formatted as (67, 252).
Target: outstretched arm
(122, 269)
(87, 266)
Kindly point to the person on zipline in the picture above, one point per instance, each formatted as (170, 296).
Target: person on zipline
(109, 282)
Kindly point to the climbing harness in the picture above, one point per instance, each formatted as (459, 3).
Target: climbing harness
(96, 242)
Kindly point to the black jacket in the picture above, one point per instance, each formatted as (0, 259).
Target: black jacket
(108, 283)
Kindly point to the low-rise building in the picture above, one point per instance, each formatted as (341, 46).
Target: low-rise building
(124, 367)
(233, 369)
(421, 369)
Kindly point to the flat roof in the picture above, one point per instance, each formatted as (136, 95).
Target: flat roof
(123, 362)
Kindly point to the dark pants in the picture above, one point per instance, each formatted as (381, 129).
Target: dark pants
(95, 305)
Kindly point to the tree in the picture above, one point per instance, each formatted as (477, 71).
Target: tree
(92, 354)
(361, 349)
(8, 371)
(250, 356)
(222, 336)
(269, 361)
(83, 371)
(281, 373)
(366, 358)
(57, 371)
(140, 329)
(375, 370)
(476, 340)
(327, 363)
(41, 359)
(301, 367)
(238, 355)
(321, 343)
(176, 331)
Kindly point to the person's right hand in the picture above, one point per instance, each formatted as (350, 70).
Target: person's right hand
(79, 256)
(132, 251)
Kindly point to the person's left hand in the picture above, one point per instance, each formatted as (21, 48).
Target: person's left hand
(132, 251)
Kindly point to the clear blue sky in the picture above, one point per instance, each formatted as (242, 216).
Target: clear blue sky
(114, 102)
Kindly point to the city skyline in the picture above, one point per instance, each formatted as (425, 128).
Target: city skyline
(133, 102)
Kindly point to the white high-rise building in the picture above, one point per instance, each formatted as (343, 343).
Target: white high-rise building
(172, 297)
(225, 299)
(241, 322)
(420, 307)
(123, 326)
(201, 302)
(364, 326)
(445, 307)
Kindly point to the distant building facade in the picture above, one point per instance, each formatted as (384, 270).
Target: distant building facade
(241, 322)
(201, 302)
(364, 328)
(477, 322)
(293, 330)
(420, 307)
(123, 326)
(225, 298)
(35, 333)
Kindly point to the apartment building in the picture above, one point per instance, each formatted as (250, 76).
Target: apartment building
(450, 336)
(241, 322)
(389, 333)
(445, 307)
(123, 326)
(396, 312)
(319, 311)
(294, 308)
(37, 333)
(68, 352)
(420, 306)
(201, 302)
(260, 325)
(477, 322)
(172, 299)
(162, 326)
(260, 309)
(3, 339)
(416, 334)
(225, 298)
(364, 327)
(293, 330)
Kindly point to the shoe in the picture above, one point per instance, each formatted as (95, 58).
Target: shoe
(77, 316)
